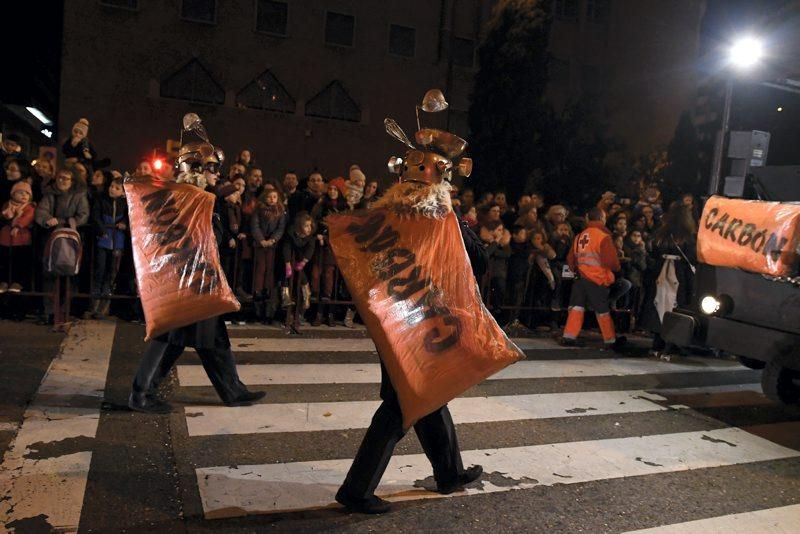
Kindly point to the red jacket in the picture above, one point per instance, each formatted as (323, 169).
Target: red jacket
(593, 254)
(24, 222)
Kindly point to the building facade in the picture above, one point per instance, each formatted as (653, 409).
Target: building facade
(307, 84)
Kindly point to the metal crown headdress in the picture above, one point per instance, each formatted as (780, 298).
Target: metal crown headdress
(431, 160)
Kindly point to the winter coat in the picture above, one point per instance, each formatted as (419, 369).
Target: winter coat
(295, 248)
(265, 225)
(63, 205)
(478, 257)
(299, 201)
(498, 250)
(107, 212)
(519, 261)
(231, 219)
(76, 151)
(636, 267)
(24, 222)
(323, 209)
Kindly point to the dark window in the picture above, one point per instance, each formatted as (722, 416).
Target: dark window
(272, 17)
(402, 40)
(339, 29)
(597, 10)
(194, 83)
(566, 9)
(334, 102)
(559, 72)
(463, 52)
(199, 10)
(124, 4)
(266, 92)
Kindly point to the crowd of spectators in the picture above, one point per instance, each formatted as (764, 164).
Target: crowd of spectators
(271, 233)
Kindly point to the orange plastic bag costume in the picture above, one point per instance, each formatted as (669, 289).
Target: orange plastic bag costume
(412, 283)
(177, 263)
(756, 236)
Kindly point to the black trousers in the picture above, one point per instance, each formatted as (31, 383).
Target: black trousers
(436, 433)
(159, 358)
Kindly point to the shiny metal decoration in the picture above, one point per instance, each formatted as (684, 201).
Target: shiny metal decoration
(449, 144)
(431, 161)
(394, 129)
(192, 123)
(434, 102)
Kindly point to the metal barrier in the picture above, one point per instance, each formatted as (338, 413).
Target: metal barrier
(63, 294)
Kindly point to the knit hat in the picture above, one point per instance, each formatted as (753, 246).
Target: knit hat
(358, 173)
(22, 185)
(82, 126)
(226, 189)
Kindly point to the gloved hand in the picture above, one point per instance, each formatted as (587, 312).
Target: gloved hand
(300, 265)
(288, 270)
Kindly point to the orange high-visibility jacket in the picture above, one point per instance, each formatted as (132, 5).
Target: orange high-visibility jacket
(593, 254)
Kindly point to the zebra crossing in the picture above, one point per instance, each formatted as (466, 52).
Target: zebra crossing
(558, 418)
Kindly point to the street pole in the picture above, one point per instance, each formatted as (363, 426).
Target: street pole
(721, 144)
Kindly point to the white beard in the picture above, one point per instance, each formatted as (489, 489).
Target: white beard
(192, 178)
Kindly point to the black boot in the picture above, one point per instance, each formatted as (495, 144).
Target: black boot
(140, 402)
(220, 367)
(158, 359)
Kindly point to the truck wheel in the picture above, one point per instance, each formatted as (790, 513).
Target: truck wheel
(751, 363)
(781, 384)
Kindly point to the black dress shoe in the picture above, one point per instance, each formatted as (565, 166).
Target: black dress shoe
(148, 404)
(245, 399)
(469, 475)
(373, 505)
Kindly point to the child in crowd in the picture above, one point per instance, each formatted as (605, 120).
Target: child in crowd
(110, 221)
(267, 227)
(518, 266)
(298, 248)
(230, 213)
(560, 241)
(16, 250)
(497, 240)
(639, 262)
(324, 275)
(543, 283)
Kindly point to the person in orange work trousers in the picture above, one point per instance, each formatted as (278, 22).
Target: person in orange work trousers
(593, 258)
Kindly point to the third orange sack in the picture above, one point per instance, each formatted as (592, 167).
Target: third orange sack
(175, 253)
(760, 237)
(413, 286)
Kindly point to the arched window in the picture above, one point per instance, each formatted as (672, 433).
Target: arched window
(193, 82)
(266, 92)
(334, 102)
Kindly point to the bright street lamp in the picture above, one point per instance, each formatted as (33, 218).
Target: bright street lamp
(745, 53)
(742, 55)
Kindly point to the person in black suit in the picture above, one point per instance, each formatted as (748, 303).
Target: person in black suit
(209, 337)
(436, 433)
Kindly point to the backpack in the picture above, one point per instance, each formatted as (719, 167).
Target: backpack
(62, 253)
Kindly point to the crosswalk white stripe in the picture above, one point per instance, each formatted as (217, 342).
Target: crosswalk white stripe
(783, 520)
(55, 486)
(237, 490)
(369, 373)
(320, 416)
(325, 345)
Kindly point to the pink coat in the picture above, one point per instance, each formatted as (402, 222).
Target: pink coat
(24, 222)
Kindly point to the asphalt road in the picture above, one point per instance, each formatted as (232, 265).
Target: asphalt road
(575, 440)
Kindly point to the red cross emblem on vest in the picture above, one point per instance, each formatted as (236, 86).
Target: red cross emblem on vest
(583, 241)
